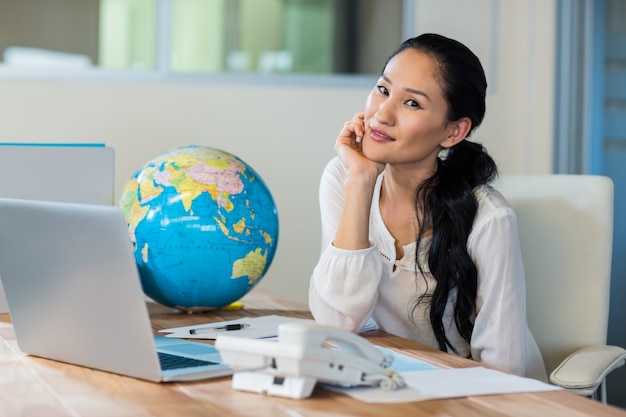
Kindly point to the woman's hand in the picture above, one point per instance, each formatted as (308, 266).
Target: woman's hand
(353, 228)
(349, 147)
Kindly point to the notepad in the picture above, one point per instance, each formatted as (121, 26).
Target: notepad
(263, 327)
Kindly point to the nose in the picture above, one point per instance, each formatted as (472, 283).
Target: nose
(385, 113)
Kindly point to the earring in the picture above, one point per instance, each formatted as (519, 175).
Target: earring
(443, 154)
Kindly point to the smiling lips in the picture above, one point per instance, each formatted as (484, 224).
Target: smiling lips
(380, 136)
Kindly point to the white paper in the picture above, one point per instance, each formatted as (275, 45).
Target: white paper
(258, 328)
(448, 383)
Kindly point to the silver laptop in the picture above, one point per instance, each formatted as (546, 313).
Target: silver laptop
(75, 296)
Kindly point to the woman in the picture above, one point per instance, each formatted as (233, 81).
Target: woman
(413, 236)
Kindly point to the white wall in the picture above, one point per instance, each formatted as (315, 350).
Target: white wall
(287, 133)
(515, 40)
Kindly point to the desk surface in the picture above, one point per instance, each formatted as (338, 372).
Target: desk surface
(32, 386)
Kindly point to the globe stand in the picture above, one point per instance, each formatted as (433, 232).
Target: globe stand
(196, 310)
(235, 305)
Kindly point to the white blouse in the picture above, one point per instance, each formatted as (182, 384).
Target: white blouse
(348, 287)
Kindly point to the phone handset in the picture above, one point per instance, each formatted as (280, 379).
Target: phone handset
(339, 357)
(329, 337)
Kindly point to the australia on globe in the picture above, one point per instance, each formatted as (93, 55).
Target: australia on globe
(204, 227)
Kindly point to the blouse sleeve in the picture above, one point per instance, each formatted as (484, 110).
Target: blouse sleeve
(344, 285)
(500, 331)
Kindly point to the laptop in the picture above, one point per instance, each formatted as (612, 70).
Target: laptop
(75, 296)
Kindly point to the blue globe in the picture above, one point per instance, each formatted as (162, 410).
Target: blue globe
(204, 227)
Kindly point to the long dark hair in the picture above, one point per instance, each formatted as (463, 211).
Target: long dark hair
(447, 199)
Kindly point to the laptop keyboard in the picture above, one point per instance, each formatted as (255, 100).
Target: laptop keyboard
(169, 362)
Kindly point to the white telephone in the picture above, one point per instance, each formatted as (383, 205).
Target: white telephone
(305, 353)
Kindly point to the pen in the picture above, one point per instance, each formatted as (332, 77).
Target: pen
(226, 328)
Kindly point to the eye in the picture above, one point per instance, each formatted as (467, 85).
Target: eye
(382, 89)
(413, 103)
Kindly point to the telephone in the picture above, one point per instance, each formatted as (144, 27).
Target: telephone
(305, 353)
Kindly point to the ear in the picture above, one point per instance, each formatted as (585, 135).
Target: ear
(458, 130)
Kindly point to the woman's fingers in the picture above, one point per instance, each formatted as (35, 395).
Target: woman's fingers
(359, 126)
(353, 130)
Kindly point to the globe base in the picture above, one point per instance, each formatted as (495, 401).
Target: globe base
(196, 309)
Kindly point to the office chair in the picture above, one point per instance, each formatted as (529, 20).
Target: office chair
(566, 233)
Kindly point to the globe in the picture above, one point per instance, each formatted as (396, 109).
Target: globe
(204, 227)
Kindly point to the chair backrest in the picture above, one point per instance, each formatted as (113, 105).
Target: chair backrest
(566, 233)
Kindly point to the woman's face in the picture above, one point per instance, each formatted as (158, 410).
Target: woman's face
(405, 114)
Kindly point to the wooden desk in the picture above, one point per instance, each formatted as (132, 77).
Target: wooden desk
(33, 387)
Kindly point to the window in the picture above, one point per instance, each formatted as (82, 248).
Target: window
(202, 36)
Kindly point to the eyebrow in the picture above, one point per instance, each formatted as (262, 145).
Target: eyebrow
(408, 89)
